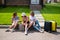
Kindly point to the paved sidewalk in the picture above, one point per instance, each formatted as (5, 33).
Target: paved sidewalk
(39, 17)
(32, 35)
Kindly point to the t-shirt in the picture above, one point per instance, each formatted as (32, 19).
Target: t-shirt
(32, 18)
(15, 19)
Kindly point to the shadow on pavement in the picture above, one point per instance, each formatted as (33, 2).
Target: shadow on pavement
(56, 33)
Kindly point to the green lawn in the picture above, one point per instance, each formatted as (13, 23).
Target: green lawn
(52, 12)
(49, 12)
(6, 13)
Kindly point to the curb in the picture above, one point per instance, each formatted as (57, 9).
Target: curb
(7, 26)
(4, 26)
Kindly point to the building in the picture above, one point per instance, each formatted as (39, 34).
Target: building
(58, 0)
(32, 3)
(51, 1)
(0, 2)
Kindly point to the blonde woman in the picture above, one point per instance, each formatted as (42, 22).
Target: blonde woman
(25, 22)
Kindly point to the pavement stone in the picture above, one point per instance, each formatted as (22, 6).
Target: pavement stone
(39, 17)
(32, 35)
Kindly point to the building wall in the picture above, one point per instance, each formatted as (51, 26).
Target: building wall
(52, 1)
(17, 2)
(55, 0)
(58, 0)
(0, 2)
(44, 1)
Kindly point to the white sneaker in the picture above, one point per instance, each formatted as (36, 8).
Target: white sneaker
(25, 33)
(41, 30)
(12, 30)
(7, 30)
(26, 29)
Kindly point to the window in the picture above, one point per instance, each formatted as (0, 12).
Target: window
(34, 1)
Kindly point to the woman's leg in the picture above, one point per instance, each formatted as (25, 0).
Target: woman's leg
(15, 25)
(33, 23)
(37, 24)
(11, 26)
(26, 29)
(36, 28)
(30, 24)
(9, 29)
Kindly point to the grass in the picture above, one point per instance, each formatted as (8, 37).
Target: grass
(6, 13)
(52, 12)
(49, 12)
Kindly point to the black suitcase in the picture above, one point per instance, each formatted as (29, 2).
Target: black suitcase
(47, 26)
(50, 26)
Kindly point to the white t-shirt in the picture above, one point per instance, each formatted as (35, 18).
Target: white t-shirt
(32, 18)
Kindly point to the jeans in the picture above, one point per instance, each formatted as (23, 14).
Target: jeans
(36, 26)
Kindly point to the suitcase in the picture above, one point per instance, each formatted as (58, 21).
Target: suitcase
(47, 26)
(50, 26)
(54, 26)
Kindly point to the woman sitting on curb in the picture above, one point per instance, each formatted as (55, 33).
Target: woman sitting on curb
(15, 20)
(34, 22)
(25, 22)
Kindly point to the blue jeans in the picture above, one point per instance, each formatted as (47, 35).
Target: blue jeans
(36, 26)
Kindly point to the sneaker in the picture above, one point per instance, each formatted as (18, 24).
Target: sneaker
(7, 30)
(13, 30)
(25, 33)
(26, 29)
(42, 31)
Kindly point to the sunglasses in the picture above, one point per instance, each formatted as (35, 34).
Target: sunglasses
(23, 16)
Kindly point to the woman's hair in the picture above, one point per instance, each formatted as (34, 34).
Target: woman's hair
(32, 13)
(15, 13)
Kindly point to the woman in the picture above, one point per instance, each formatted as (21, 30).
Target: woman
(15, 20)
(34, 22)
(25, 22)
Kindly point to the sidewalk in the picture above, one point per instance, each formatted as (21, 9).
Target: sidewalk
(39, 17)
(32, 35)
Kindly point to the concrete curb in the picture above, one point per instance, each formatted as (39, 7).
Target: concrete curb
(7, 26)
(4, 26)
